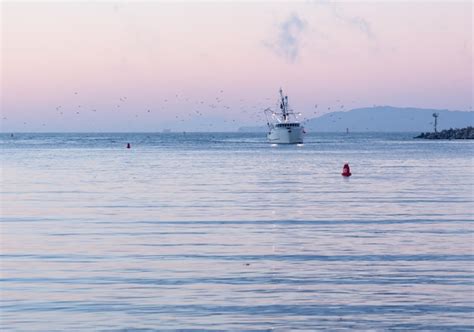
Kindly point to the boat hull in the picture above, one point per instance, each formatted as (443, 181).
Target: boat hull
(286, 135)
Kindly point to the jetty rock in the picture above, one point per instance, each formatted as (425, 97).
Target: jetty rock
(463, 133)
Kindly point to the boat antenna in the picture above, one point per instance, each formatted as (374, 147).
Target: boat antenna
(284, 105)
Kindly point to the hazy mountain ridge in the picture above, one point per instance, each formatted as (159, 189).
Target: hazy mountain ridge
(384, 119)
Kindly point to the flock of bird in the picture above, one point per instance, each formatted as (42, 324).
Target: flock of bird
(200, 112)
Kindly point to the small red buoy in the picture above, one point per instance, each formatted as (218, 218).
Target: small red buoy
(346, 171)
(128, 146)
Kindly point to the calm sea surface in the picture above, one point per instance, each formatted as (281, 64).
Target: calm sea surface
(226, 232)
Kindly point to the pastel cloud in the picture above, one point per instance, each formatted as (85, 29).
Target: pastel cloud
(288, 40)
(359, 23)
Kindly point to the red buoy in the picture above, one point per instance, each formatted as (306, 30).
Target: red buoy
(346, 171)
(128, 146)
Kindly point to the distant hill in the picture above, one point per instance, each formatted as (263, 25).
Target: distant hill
(249, 129)
(385, 119)
(388, 118)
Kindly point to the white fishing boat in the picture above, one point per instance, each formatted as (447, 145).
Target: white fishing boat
(283, 125)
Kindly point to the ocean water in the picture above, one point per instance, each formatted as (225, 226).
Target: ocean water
(222, 231)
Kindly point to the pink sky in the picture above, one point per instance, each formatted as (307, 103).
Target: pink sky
(384, 53)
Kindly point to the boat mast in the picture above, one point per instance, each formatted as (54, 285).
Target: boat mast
(284, 106)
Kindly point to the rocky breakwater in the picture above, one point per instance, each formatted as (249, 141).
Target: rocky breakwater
(463, 133)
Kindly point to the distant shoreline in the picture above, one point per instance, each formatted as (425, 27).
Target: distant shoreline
(159, 132)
